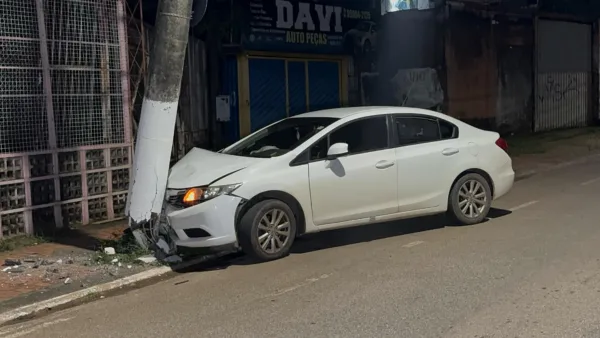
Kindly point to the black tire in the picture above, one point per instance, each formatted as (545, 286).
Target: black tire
(248, 231)
(454, 200)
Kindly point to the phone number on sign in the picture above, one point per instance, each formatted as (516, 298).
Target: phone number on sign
(354, 14)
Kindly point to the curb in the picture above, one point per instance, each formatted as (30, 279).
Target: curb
(529, 173)
(32, 309)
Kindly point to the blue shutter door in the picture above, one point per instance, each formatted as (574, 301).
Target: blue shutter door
(323, 84)
(267, 91)
(297, 87)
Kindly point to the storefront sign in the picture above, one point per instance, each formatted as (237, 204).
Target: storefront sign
(303, 26)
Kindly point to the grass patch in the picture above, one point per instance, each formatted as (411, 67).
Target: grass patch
(18, 242)
(126, 248)
(542, 142)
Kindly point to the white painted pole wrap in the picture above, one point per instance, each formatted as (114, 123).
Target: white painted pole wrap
(151, 159)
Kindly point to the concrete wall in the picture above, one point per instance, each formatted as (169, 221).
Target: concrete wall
(489, 70)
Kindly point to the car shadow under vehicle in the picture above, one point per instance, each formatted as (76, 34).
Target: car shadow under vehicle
(347, 236)
(368, 233)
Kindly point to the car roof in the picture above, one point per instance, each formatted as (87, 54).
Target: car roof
(341, 113)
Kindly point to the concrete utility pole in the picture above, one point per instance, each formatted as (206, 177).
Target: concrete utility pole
(159, 113)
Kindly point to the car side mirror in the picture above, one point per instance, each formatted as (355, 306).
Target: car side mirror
(336, 150)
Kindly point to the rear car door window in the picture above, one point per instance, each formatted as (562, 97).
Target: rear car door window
(447, 130)
(415, 130)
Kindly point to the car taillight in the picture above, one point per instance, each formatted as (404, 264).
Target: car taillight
(502, 144)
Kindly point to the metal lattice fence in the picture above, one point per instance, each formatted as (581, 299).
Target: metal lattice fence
(65, 143)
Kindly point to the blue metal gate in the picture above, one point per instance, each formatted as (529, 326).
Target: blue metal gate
(286, 87)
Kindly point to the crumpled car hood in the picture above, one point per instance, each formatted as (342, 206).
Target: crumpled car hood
(201, 167)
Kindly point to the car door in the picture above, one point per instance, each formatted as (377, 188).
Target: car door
(429, 156)
(361, 184)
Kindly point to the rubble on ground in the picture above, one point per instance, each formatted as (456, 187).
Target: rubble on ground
(20, 275)
(110, 251)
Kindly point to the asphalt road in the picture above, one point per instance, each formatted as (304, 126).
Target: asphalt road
(531, 271)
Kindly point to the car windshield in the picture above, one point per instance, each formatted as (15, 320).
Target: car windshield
(280, 138)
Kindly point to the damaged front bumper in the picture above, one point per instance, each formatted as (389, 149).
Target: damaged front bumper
(209, 224)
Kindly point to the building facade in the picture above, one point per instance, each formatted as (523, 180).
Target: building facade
(293, 57)
(515, 66)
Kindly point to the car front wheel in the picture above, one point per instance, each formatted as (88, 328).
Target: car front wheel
(267, 230)
(470, 199)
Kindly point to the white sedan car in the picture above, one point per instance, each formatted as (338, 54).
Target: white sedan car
(333, 169)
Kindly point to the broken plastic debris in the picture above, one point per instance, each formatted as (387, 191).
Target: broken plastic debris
(147, 259)
(68, 281)
(6, 269)
(110, 251)
(163, 245)
(173, 259)
(59, 261)
(114, 260)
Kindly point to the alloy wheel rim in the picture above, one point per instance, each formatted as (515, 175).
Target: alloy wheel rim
(472, 199)
(274, 231)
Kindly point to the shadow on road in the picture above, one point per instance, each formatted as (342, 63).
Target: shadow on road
(348, 236)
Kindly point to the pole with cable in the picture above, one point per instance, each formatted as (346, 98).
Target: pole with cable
(159, 112)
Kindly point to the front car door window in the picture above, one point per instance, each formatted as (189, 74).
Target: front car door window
(355, 186)
(362, 136)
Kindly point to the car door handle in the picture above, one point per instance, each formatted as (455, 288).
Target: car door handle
(450, 151)
(383, 164)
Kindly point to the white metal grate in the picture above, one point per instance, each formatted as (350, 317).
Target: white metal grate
(65, 150)
(23, 117)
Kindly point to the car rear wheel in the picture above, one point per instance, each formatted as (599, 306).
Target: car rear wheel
(470, 199)
(267, 230)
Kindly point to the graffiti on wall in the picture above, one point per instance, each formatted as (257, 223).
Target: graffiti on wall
(562, 100)
(554, 90)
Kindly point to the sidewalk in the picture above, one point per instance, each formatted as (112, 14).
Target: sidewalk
(72, 261)
(541, 152)
(71, 267)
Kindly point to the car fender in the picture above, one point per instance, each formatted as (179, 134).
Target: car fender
(291, 180)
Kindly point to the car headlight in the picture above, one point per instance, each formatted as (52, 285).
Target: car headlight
(193, 196)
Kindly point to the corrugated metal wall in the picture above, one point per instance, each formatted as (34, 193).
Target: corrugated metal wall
(563, 75)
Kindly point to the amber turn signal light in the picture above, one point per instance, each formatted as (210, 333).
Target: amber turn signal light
(192, 195)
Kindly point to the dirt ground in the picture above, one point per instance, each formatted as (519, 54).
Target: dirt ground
(75, 262)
